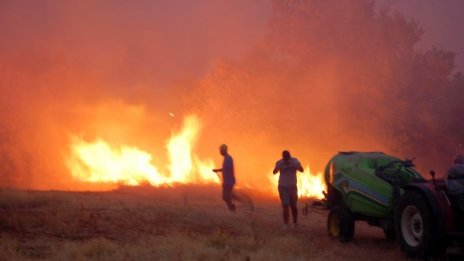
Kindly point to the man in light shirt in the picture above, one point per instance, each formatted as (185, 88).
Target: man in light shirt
(288, 190)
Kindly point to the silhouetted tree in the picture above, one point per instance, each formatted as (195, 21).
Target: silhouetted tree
(346, 73)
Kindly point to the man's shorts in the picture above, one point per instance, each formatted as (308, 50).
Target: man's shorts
(288, 195)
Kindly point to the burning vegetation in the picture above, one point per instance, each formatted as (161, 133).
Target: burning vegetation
(100, 162)
(91, 102)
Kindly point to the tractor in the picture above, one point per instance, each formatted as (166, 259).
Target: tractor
(425, 216)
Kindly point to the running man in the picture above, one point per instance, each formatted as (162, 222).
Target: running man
(288, 190)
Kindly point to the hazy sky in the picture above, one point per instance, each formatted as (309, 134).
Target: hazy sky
(442, 21)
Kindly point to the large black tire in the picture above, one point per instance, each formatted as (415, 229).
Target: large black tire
(340, 223)
(415, 226)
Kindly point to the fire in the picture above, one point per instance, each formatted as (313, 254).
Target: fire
(309, 185)
(100, 162)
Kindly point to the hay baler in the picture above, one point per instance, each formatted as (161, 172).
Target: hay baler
(389, 193)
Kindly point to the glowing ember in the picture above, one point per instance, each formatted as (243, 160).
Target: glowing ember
(100, 162)
(309, 185)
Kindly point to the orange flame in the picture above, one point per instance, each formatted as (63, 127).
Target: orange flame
(309, 185)
(97, 161)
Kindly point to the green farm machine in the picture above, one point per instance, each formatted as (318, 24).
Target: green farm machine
(423, 215)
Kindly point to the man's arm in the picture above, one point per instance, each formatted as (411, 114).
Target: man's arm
(276, 168)
(299, 167)
(217, 170)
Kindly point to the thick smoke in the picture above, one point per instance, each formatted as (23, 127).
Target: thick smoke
(110, 69)
(314, 77)
(336, 76)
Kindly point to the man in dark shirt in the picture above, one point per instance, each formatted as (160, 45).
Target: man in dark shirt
(288, 190)
(228, 177)
(455, 176)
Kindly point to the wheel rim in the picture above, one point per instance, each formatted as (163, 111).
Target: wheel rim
(412, 226)
(334, 225)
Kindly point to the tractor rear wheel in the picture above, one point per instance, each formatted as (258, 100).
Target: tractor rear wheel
(414, 225)
(340, 223)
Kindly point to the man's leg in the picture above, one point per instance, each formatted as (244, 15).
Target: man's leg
(285, 200)
(242, 198)
(293, 204)
(295, 214)
(227, 197)
(285, 214)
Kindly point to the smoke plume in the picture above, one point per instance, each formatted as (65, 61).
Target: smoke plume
(313, 77)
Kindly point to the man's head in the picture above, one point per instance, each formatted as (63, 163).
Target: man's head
(286, 155)
(459, 159)
(223, 149)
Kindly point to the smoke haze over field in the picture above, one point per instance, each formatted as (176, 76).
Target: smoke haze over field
(441, 21)
(66, 67)
(314, 77)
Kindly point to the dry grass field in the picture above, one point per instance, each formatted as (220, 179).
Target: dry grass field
(183, 223)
